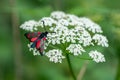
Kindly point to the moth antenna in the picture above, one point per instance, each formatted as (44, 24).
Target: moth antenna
(45, 28)
(43, 25)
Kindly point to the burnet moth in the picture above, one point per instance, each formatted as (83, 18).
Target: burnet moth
(38, 39)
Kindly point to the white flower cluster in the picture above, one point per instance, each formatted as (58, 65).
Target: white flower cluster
(47, 21)
(58, 15)
(71, 32)
(97, 56)
(90, 25)
(76, 34)
(100, 40)
(55, 55)
(30, 25)
(83, 36)
(76, 49)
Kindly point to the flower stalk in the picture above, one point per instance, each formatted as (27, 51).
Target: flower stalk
(70, 66)
(118, 71)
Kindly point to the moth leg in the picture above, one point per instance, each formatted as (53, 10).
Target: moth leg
(41, 53)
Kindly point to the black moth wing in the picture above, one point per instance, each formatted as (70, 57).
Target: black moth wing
(32, 36)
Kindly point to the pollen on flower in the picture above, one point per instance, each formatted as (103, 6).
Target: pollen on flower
(97, 56)
(55, 55)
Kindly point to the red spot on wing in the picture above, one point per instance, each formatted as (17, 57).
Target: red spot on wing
(33, 39)
(44, 38)
(38, 44)
(32, 36)
(39, 33)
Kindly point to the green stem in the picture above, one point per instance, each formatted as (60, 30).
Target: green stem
(70, 66)
(118, 71)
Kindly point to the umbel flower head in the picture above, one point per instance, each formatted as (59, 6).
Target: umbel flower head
(72, 36)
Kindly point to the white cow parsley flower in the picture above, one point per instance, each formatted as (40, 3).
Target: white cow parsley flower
(90, 25)
(55, 55)
(47, 21)
(63, 22)
(97, 56)
(30, 25)
(76, 49)
(73, 20)
(83, 36)
(58, 15)
(72, 34)
(100, 40)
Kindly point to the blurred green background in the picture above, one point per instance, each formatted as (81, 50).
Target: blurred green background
(17, 63)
